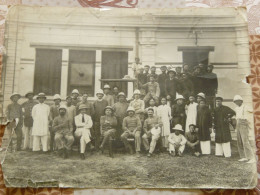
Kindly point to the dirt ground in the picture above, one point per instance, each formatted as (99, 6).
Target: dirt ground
(126, 171)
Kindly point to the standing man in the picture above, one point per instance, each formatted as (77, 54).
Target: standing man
(211, 86)
(14, 114)
(222, 115)
(135, 67)
(115, 93)
(120, 112)
(75, 97)
(153, 90)
(153, 73)
(28, 120)
(178, 73)
(152, 122)
(83, 124)
(142, 79)
(132, 128)
(244, 126)
(146, 72)
(85, 101)
(99, 106)
(54, 112)
(71, 110)
(161, 80)
(171, 85)
(109, 98)
(40, 131)
(138, 105)
(63, 132)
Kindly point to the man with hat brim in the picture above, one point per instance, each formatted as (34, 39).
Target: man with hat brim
(204, 124)
(28, 120)
(54, 112)
(150, 123)
(84, 100)
(108, 97)
(63, 132)
(171, 85)
(191, 112)
(40, 130)
(14, 114)
(244, 127)
(178, 111)
(83, 124)
(120, 112)
(177, 141)
(99, 105)
(75, 97)
(200, 96)
(108, 125)
(138, 105)
(222, 116)
(161, 80)
(132, 129)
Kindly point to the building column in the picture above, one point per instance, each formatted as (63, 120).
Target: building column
(243, 69)
(98, 70)
(64, 73)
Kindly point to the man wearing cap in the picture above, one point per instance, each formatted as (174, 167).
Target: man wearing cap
(83, 124)
(54, 112)
(63, 132)
(222, 115)
(109, 98)
(108, 124)
(171, 85)
(75, 97)
(28, 120)
(153, 90)
(153, 73)
(40, 131)
(161, 80)
(150, 123)
(99, 105)
(244, 127)
(85, 101)
(71, 110)
(177, 141)
(120, 112)
(132, 128)
(204, 123)
(138, 105)
(14, 114)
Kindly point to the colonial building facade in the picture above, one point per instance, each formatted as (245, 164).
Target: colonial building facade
(55, 50)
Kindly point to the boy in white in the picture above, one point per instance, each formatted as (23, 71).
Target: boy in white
(164, 113)
(83, 124)
(177, 141)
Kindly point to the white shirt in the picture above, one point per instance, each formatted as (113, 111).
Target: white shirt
(87, 124)
(177, 139)
(40, 115)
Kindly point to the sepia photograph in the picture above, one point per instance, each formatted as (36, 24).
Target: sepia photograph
(127, 98)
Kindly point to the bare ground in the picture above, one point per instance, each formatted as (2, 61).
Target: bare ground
(127, 171)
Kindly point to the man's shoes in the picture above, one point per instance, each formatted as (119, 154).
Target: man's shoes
(251, 161)
(82, 156)
(197, 154)
(149, 154)
(172, 154)
(138, 154)
(179, 154)
(243, 160)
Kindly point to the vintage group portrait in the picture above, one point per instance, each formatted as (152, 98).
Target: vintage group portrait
(127, 98)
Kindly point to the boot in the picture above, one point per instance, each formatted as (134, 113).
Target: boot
(131, 151)
(111, 150)
(82, 156)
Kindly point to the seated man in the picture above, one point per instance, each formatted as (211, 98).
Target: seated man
(132, 128)
(193, 143)
(83, 124)
(63, 132)
(151, 123)
(177, 141)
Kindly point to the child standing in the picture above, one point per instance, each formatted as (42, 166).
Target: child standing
(164, 113)
(177, 141)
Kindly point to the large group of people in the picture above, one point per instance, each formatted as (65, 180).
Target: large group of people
(176, 110)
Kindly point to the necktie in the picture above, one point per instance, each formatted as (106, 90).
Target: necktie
(83, 119)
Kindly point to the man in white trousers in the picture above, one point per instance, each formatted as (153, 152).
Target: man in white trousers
(83, 124)
(40, 130)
